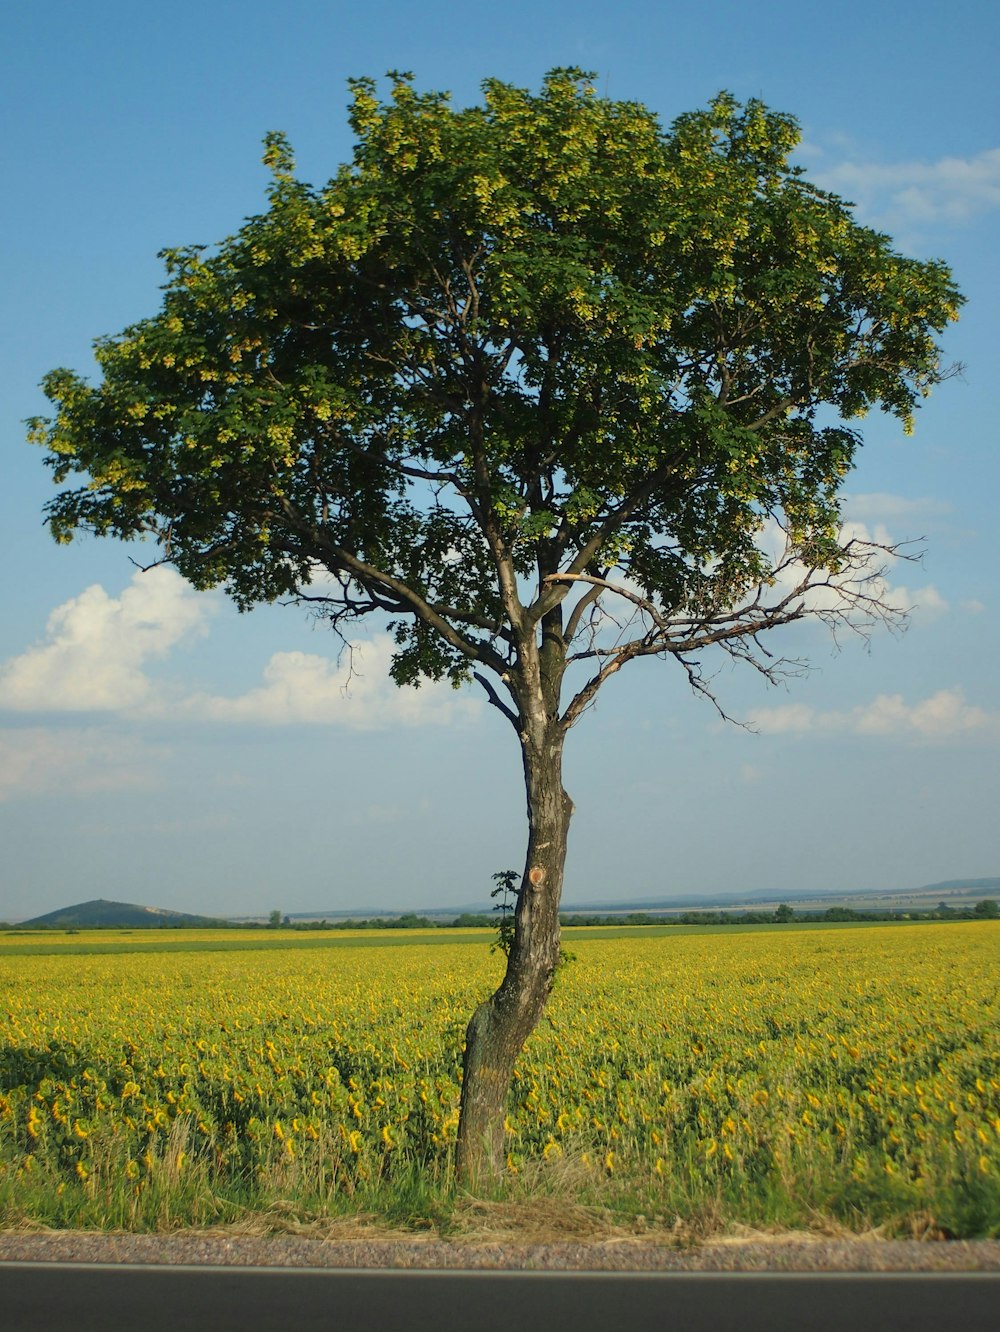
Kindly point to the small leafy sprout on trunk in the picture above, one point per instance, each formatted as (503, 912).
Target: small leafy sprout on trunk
(506, 889)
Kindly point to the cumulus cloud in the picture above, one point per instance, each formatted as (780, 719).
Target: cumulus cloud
(96, 647)
(950, 191)
(356, 692)
(943, 716)
(38, 761)
(872, 577)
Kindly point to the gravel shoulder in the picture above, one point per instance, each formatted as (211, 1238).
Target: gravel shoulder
(755, 1253)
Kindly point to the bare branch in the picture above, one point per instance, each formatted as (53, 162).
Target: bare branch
(853, 596)
(602, 584)
(497, 701)
(473, 618)
(589, 599)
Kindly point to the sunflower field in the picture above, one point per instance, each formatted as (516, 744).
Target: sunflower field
(770, 1074)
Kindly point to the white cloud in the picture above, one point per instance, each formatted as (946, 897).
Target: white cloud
(96, 646)
(952, 190)
(784, 719)
(871, 576)
(885, 508)
(357, 692)
(925, 601)
(37, 761)
(941, 717)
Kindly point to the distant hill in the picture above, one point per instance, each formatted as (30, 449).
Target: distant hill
(962, 886)
(101, 914)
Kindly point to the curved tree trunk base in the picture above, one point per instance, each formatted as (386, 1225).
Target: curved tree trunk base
(480, 1158)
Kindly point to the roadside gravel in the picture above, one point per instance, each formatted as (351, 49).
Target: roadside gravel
(757, 1253)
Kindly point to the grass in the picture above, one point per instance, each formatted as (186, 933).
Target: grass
(545, 1203)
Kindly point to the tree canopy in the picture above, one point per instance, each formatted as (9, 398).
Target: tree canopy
(537, 335)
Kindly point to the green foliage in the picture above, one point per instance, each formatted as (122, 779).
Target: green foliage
(507, 891)
(527, 335)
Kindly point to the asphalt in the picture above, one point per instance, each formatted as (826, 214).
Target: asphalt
(95, 1298)
(81, 1281)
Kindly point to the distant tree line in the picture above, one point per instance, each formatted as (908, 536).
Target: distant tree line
(985, 910)
(988, 909)
(408, 921)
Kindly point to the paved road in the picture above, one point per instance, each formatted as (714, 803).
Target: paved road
(51, 1297)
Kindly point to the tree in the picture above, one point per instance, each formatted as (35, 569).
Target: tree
(783, 914)
(987, 909)
(547, 386)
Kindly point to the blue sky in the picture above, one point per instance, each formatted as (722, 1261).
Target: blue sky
(157, 747)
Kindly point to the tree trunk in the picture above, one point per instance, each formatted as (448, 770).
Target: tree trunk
(500, 1026)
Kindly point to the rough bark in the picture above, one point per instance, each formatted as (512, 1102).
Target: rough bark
(500, 1026)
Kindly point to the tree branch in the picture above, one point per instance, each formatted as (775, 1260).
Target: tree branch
(553, 595)
(857, 601)
(603, 585)
(497, 701)
(590, 597)
(404, 596)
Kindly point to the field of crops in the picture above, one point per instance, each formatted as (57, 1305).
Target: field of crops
(770, 1074)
